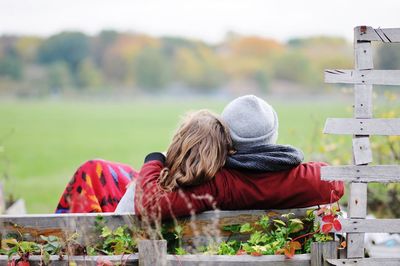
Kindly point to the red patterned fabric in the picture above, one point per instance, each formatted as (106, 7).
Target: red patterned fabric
(97, 186)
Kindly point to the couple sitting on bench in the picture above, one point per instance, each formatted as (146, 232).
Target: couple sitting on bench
(227, 163)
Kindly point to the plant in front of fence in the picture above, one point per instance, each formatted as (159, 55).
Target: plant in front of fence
(112, 242)
(18, 250)
(119, 241)
(285, 235)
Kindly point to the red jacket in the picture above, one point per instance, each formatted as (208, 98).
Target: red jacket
(234, 190)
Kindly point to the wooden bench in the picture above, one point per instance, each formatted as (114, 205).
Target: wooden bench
(199, 229)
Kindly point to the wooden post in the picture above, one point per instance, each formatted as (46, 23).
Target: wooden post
(320, 252)
(152, 252)
(361, 148)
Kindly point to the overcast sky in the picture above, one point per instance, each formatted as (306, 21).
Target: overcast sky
(203, 19)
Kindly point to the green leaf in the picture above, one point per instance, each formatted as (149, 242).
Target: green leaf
(180, 251)
(3, 251)
(295, 225)
(234, 228)
(178, 229)
(255, 238)
(12, 252)
(11, 241)
(287, 215)
(279, 222)
(91, 251)
(246, 228)
(264, 222)
(119, 231)
(248, 248)
(105, 232)
(46, 257)
(26, 246)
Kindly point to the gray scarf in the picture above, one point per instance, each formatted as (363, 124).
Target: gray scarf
(265, 158)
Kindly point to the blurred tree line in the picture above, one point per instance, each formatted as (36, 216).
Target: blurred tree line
(112, 60)
(115, 61)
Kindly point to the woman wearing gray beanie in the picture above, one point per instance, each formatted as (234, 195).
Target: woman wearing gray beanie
(253, 125)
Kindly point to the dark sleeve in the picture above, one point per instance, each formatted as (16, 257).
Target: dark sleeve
(154, 202)
(155, 156)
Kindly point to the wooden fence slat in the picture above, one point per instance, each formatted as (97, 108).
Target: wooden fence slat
(362, 152)
(366, 261)
(35, 260)
(350, 76)
(355, 245)
(370, 225)
(364, 33)
(353, 126)
(362, 173)
(247, 260)
(358, 200)
(152, 252)
(363, 56)
(322, 251)
(63, 225)
(199, 229)
(362, 101)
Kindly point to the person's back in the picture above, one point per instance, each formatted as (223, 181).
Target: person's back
(298, 187)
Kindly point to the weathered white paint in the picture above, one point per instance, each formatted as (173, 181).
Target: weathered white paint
(370, 225)
(362, 173)
(353, 126)
(363, 56)
(362, 101)
(350, 76)
(362, 153)
(365, 262)
(364, 33)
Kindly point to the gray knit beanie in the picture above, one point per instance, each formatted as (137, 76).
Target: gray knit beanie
(251, 121)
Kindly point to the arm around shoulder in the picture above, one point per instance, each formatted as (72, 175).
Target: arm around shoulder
(324, 192)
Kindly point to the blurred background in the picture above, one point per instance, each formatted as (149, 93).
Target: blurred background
(111, 79)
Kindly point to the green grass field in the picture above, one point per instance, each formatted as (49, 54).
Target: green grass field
(44, 141)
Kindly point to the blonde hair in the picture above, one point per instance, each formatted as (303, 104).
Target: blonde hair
(198, 150)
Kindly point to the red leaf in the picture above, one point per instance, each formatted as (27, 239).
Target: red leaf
(326, 228)
(241, 252)
(328, 218)
(289, 252)
(254, 253)
(337, 225)
(295, 245)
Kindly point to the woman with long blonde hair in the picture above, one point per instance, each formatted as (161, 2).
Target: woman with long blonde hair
(198, 150)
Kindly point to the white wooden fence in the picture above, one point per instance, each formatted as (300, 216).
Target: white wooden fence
(361, 127)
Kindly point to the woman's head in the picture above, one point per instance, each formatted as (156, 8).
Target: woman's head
(198, 150)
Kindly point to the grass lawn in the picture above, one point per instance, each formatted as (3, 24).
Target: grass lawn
(45, 141)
